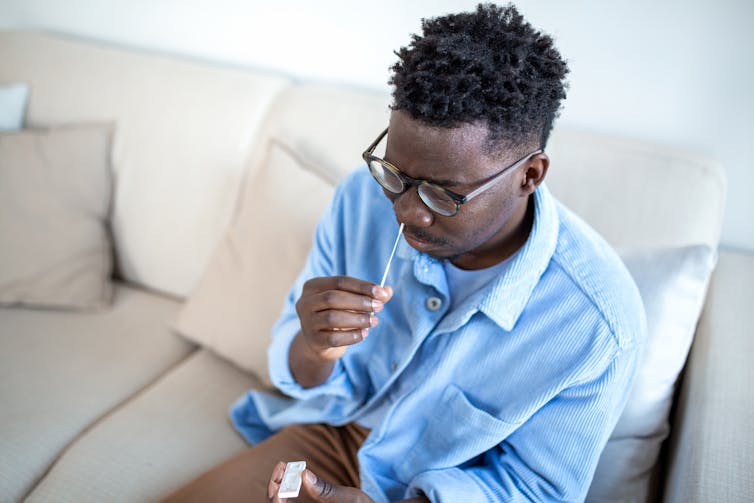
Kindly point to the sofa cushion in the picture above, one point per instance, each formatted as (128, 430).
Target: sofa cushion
(636, 194)
(673, 284)
(172, 431)
(55, 187)
(241, 294)
(60, 371)
(13, 99)
(269, 240)
(185, 131)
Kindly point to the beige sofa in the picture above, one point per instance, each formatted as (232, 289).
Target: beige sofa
(126, 402)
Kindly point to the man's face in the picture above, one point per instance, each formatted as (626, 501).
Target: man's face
(487, 229)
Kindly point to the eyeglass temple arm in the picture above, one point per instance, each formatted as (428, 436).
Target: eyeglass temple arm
(494, 179)
(375, 143)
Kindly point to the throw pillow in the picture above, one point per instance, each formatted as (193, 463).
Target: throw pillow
(673, 283)
(12, 104)
(55, 189)
(240, 295)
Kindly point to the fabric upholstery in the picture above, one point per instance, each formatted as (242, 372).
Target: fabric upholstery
(55, 188)
(60, 371)
(286, 190)
(712, 449)
(187, 135)
(13, 98)
(172, 431)
(672, 283)
(185, 130)
(328, 126)
(637, 195)
(241, 294)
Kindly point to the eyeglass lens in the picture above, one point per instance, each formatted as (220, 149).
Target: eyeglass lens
(385, 177)
(432, 196)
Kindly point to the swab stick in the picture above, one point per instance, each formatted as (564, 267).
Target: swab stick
(392, 253)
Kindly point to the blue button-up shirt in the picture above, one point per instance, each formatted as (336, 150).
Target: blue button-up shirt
(509, 396)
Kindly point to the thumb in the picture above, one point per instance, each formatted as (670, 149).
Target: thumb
(322, 491)
(319, 489)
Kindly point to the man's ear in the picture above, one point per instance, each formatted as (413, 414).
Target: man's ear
(534, 172)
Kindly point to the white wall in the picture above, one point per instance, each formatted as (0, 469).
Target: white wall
(674, 72)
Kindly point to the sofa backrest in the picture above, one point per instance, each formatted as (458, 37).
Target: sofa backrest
(636, 194)
(188, 133)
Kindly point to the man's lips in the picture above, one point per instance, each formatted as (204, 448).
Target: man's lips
(416, 242)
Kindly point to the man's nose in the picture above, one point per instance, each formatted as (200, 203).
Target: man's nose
(411, 210)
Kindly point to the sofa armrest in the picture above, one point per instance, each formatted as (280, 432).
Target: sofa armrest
(712, 446)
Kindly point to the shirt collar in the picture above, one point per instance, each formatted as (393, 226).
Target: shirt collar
(505, 298)
(508, 295)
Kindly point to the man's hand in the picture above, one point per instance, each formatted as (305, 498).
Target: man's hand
(338, 311)
(335, 312)
(318, 489)
(322, 491)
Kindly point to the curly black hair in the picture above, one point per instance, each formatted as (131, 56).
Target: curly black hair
(489, 66)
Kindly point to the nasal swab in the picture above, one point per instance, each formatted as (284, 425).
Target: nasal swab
(390, 260)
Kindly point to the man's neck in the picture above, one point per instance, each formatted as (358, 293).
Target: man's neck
(513, 242)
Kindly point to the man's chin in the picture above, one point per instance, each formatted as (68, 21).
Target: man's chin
(441, 254)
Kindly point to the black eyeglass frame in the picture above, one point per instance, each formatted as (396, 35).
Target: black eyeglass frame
(408, 181)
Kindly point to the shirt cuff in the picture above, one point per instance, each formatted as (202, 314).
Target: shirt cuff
(451, 485)
(337, 384)
(247, 421)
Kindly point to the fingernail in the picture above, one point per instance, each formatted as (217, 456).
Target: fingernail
(364, 333)
(310, 477)
(379, 292)
(373, 321)
(377, 305)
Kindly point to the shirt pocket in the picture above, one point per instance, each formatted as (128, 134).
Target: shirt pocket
(456, 432)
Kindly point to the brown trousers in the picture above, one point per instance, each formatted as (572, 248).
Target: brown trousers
(329, 452)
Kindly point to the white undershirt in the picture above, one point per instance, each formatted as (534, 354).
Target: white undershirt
(462, 282)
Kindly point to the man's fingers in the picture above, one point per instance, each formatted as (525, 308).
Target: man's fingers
(338, 311)
(337, 339)
(277, 473)
(324, 321)
(275, 479)
(347, 284)
(339, 299)
(389, 291)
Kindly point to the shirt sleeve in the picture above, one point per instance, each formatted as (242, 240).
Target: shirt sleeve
(551, 456)
(320, 262)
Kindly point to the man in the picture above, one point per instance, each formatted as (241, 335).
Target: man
(498, 361)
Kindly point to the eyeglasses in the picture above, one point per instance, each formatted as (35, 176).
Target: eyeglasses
(438, 199)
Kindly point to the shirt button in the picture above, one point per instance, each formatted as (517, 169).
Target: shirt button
(433, 303)
(394, 366)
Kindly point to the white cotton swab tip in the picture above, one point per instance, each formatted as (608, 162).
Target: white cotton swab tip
(392, 253)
